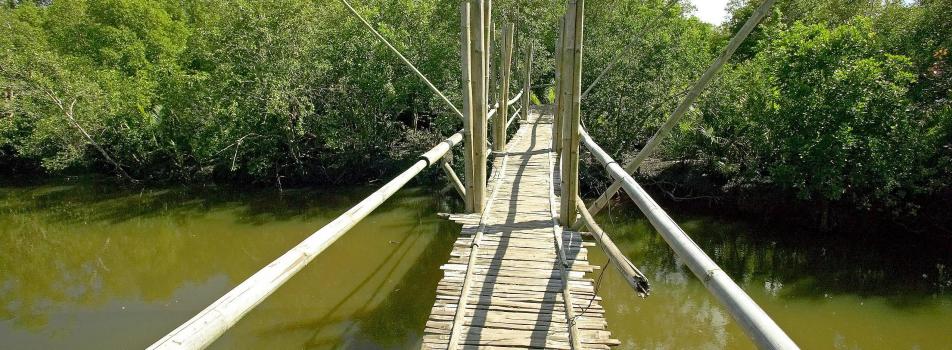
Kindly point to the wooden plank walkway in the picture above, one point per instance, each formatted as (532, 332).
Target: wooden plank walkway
(515, 295)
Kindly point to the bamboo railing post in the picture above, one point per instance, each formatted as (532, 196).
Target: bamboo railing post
(685, 104)
(479, 34)
(557, 115)
(526, 86)
(571, 114)
(468, 118)
(505, 68)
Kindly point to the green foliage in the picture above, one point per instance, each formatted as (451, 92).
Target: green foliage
(838, 100)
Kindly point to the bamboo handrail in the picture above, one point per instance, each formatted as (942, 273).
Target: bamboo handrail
(515, 99)
(755, 322)
(685, 105)
(209, 324)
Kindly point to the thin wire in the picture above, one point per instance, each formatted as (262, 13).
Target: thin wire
(620, 54)
(598, 283)
(404, 59)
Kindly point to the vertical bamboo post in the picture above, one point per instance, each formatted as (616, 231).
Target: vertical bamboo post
(491, 68)
(468, 121)
(488, 36)
(505, 70)
(479, 33)
(572, 77)
(527, 83)
(557, 115)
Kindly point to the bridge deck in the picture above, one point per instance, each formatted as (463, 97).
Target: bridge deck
(516, 296)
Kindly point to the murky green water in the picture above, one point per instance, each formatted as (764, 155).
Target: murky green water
(865, 292)
(87, 266)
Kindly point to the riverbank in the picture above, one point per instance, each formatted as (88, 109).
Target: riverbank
(694, 187)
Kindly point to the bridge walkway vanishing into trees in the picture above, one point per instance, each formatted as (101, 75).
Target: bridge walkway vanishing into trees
(514, 274)
(518, 276)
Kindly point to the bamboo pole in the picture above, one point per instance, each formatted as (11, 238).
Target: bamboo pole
(505, 68)
(557, 237)
(209, 324)
(479, 35)
(466, 50)
(451, 175)
(685, 105)
(403, 58)
(756, 323)
(557, 116)
(571, 114)
(526, 85)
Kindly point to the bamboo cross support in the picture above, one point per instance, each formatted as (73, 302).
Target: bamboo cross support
(505, 70)
(451, 175)
(571, 113)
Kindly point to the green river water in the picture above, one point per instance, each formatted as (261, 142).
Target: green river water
(87, 266)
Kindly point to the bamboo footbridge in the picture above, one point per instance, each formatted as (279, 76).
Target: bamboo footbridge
(518, 276)
(515, 278)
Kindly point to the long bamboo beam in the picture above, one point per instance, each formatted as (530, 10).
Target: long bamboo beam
(685, 105)
(571, 113)
(635, 278)
(755, 322)
(209, 324)
(403, 58)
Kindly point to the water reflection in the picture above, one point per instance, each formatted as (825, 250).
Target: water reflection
(87, 266)
(843, 291)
